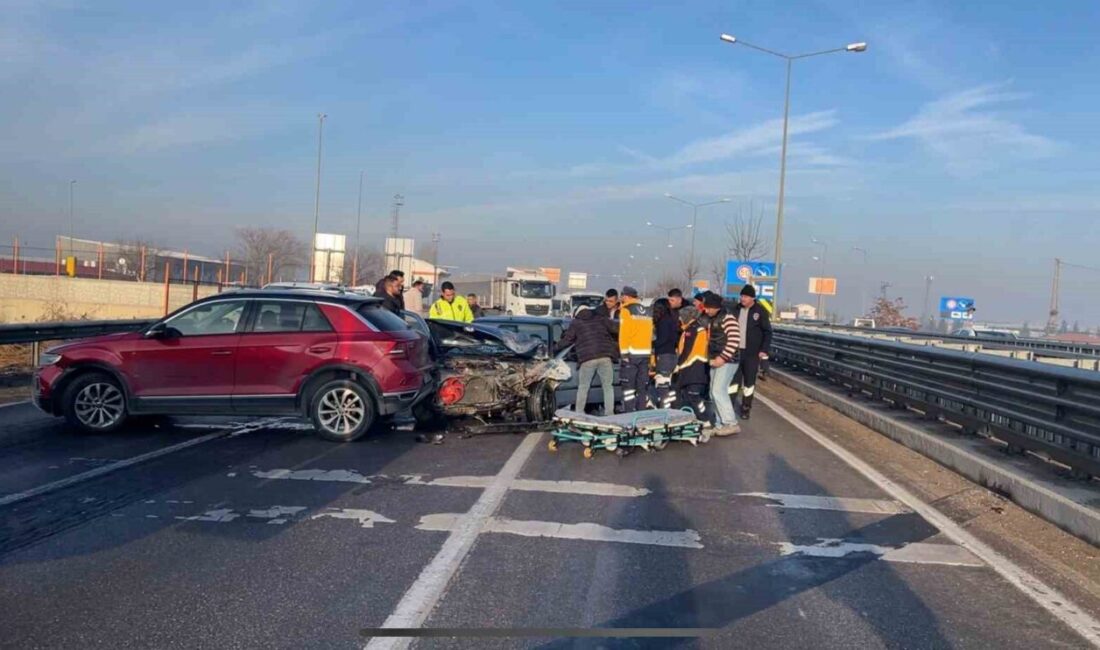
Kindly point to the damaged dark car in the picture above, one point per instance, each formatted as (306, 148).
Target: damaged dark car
(484, 372)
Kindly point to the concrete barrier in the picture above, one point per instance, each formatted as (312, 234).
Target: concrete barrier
(31, 298)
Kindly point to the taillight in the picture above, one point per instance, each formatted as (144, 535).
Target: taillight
(452, 390)
(398, 351)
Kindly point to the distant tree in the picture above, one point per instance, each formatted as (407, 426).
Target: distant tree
(130, 259)
(889, 313)
(369, 269)
(718, 274)
(1076, 327)
(1025, 331)
(691, 269)
(1065, 328)
(257, 246)
(744, 237)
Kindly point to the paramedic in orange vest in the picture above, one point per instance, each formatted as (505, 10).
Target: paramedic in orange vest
(635, 346)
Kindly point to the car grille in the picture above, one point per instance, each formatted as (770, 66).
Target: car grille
(538, 310)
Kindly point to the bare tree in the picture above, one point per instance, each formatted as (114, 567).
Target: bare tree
(890, 313)
(132, 254)
(369, 268)
(256, 247)
(666, 283)
(691, 267)
(718, 274)
(745, 240)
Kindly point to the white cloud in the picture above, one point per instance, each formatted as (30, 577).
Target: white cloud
(965, 131)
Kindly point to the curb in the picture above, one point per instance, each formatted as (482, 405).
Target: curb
(1025, 491)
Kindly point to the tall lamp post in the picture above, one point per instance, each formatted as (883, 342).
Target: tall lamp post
(789, 58)
(821, 296)
(317, 200)
(72, 223)
(694, 226)
(358, 220)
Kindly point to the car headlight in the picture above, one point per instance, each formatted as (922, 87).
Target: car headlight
(48, 358)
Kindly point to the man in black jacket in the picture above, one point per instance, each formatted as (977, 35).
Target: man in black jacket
(380, 288)
(391, 294)
(597, 341)
(756, 340)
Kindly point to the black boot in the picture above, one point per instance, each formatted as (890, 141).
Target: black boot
(746, 407)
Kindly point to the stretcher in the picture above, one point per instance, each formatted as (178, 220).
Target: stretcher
(650, 430)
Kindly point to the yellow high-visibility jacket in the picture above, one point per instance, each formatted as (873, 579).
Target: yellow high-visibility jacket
(458, 310)
(635, 327)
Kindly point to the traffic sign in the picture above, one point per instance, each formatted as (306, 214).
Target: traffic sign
(954, 308)
(761, 275)
(823, 286)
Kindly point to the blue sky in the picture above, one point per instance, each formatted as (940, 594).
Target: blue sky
(962, 144)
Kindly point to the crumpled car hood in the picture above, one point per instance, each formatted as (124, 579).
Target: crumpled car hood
(482, 339)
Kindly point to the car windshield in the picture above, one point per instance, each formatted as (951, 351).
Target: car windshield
(536, 290)
(590, 301)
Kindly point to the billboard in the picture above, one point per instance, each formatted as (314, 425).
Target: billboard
(577, 280)
(551, 273)
(761, 275)
(823, 286)
(954, 308)
(328, 258)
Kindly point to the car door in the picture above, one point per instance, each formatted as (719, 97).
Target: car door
(283, 342)
(191, 365)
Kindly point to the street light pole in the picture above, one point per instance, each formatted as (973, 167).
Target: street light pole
(694, 226)
(358, 221)
(317, 200)
(789, 58)
(821, 296)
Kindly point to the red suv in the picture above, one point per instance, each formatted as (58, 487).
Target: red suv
(338, 359)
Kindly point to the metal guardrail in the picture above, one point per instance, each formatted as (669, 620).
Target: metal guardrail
(1030, 406)
(58, 331)
(1057, 348)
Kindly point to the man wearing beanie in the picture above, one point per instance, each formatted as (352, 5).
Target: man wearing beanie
(635, 346)
(756, 340)
(722, 349)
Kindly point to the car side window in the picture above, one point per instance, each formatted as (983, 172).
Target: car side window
(213, 318)
(314, 320)
(286, 316)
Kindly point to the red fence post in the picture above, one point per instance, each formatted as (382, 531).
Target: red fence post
(167, 285)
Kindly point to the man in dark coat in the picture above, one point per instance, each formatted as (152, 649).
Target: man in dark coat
(380, 288)
(391, 295)
(597, 341)
(756, 340)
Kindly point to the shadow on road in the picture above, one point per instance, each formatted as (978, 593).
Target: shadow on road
(885, 603)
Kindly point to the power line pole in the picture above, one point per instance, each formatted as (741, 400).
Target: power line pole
(436, 238)
(927, 294)
(398, 201)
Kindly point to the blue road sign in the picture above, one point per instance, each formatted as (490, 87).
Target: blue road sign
(738, 275)
(957, 308)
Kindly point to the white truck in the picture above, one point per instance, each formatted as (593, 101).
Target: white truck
(571, 302)
(519, 292)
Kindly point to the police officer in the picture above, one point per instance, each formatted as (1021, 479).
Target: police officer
(756, 340)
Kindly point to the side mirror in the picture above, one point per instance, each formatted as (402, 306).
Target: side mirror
(161, 331)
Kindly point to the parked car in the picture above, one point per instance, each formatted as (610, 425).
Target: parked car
(550, 330)
(336, 358)
(488, 371)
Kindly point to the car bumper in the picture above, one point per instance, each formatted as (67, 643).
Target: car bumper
(396, 402)
(42, 388)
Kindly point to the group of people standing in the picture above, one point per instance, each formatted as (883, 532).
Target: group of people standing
(701, 355)
(449, 306)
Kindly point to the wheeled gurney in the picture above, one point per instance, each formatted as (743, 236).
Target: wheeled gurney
(649, 430)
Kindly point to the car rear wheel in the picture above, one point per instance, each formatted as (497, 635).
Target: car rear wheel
(94, 403)
(342, 411)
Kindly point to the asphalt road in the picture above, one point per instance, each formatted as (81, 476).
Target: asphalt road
(263, 536)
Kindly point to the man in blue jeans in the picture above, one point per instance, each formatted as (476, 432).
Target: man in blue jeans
(722, 350)
(596, 338)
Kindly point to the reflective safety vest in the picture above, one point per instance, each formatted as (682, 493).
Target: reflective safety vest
(457, 310)
(635, 328)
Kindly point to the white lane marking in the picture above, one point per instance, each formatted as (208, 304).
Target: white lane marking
(582, 531)
(417, 603)
(220, 515)
(129, 462)
(918, 553)
(366, 518)
(479, 482)
(840, 504)
(9, 404)
(336, 475)
(1054, 602)
(276, 513)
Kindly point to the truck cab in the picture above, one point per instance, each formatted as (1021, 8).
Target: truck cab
(527, 293)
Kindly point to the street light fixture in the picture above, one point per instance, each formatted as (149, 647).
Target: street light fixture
(693, 226)
(789, 58)
(668, 231)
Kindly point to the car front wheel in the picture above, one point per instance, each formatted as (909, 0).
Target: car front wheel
(342, 411)
(95, 403)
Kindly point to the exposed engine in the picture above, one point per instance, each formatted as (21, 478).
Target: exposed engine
(491, 387)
